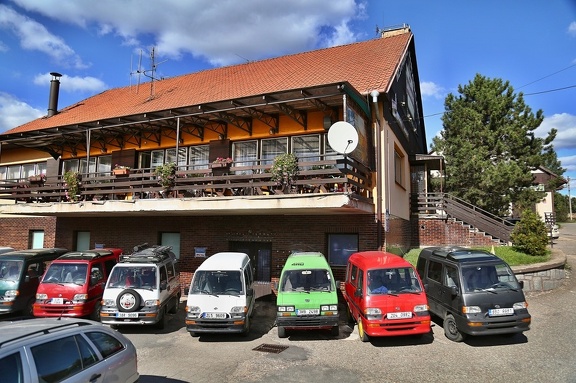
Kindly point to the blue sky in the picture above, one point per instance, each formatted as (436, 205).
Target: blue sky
(96, 45)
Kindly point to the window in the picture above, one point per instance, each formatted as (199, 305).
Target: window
(87, 169)
(435, 271)
(273, 147)
(157, 159)
(245, 154)
(340, 247)
(11, 367)
(104, 165)
(451, 277)
(57, 360)
(70, 166)
(36, 239)
(199, 157)
(105, 343)
(82, 240)
(171, 239)
(171, 156)
(306, 148)
(163, 274)
(398, 167)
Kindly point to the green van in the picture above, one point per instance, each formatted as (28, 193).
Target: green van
(307, 297)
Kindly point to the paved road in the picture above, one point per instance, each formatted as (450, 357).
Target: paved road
(546, 353)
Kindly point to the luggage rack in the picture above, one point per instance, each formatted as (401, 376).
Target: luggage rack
(147, 253)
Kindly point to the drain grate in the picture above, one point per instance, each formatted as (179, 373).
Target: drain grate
(272, 348)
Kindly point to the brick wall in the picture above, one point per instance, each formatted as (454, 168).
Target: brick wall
(439, 232)
(16, 231)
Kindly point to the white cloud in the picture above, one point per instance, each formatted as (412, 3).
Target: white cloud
(569, 163)
(14, 112)
(430, 89)
(572, 28)
(73, 83)
(221, 32)
(34, 36)
(565, 124)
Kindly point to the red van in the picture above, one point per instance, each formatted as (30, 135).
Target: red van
(385, 296)
(74, 283)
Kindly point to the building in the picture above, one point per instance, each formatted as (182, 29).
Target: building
(223, 128)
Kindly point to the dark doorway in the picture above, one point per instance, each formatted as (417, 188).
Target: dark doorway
(260, 254)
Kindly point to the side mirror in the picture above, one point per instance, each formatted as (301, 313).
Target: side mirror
(358, 293)
(454, 290)
(521, 283)
(27, 278)
(163, 285)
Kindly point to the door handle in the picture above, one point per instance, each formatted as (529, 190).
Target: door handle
(94, 377)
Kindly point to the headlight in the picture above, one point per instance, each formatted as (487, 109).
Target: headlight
(10, 295)
(471, 309)
(420, 308)
(286, 308)
(329, 308)
(194, 310)
(41, 297)
(520, 305)
(372, 311)
(109, 302)
(80, 298)
(238, 309)
(152, 303)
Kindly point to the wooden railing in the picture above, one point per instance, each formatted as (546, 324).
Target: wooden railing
(325, 176)
(445, 205)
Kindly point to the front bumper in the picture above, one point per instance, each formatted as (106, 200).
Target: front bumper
(494, 326)
(66, 310)
(115, 317)
(202, 325)
(393, 327)
(311, 322)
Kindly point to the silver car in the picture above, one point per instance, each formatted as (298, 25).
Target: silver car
(49, 350)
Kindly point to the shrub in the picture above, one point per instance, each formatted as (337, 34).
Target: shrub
(529, 235)
(285, 170)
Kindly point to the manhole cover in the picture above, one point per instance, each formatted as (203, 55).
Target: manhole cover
(273, 348)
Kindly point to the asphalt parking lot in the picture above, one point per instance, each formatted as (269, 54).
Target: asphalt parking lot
(546, 353)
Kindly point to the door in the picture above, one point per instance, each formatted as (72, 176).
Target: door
(260, 254)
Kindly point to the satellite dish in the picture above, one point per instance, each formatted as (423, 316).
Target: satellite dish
(342, 137)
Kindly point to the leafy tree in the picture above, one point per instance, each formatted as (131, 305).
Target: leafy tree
(530, 234)
(490, 147)
(561, 207)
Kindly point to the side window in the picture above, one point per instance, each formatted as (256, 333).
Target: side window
(163, 274)
(360, 278)
(353, 275)
(96, 274)
(170, 270)
(435, 271)
(57, 360)
(451, 277)
(89, 357)
(11, 367)
(33, 270)
(105, 343)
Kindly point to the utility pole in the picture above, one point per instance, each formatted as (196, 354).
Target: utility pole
(569, 200)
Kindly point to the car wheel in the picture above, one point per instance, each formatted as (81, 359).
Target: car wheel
(29, 309)
(335, 330)
(194, 335)
(281, 332)
(246, 330)
(174, 308)
(349, 317)
(128, 300)
(451, 330)
(95, 316)
(363, 336)
(162, 321)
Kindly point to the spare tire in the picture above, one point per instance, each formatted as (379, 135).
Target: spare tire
(128, 300)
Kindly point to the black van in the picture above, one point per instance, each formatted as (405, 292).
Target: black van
(473, 291)
(20, 273)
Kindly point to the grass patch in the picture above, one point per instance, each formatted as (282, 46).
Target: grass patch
(507, 253)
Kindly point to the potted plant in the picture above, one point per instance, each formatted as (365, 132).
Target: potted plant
(121, 170)
(166, 176)
(284, 171)
(72, 184)
(221, 162)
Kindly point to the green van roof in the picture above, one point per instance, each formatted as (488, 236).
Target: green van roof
(310, 260)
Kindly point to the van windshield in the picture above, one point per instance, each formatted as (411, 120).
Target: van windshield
(10, 270)
(66, 273)
(491, 277)
(306, 280)
(225, 282)
(393, 281)
(134, 277)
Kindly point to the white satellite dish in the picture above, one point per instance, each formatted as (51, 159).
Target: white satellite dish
(342, 137)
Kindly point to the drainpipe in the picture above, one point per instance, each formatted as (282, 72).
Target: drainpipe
(379, 236)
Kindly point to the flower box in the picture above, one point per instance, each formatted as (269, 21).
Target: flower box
(120, 172)
(219, 165)
(36, 179)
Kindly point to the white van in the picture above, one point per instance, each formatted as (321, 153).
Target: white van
(221, 296)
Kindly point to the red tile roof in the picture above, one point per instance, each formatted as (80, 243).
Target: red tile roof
(365, 65)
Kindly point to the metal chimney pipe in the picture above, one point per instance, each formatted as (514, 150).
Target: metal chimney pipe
(54, 91)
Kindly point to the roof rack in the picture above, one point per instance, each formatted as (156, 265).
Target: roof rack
(47, 330)
(146, 253)
(88, 254)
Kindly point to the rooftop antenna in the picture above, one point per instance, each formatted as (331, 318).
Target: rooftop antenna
(150, 73)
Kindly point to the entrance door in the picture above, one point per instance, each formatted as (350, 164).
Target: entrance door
(260, 254)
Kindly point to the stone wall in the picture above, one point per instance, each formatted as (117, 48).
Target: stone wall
(543, 276)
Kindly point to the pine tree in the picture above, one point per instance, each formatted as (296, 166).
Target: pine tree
(490, 147)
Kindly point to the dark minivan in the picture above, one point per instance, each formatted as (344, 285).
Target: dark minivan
(20, 273)
(473, 291)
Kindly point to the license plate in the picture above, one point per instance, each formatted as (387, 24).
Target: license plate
(308, 312)
(400, 315)
(500, 312)
(215, 315)
(126, 315)
(57, 301)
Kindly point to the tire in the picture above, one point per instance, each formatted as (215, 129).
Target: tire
(281, 332)
(29, 309)
(246, 330)
(161, 324)
(95, 316)
(451, 330)
(128, 300)
(349, 317)
(361, 334)
(194, 335)
(335, 330)
(174, 308)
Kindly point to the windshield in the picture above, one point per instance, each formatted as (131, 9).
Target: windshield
(10, 270)
(306, 280)
(133, 277)
(66, 273)
(489, 277)
(393, 281)
(225, 282)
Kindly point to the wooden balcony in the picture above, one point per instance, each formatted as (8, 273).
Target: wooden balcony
(326, 176)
